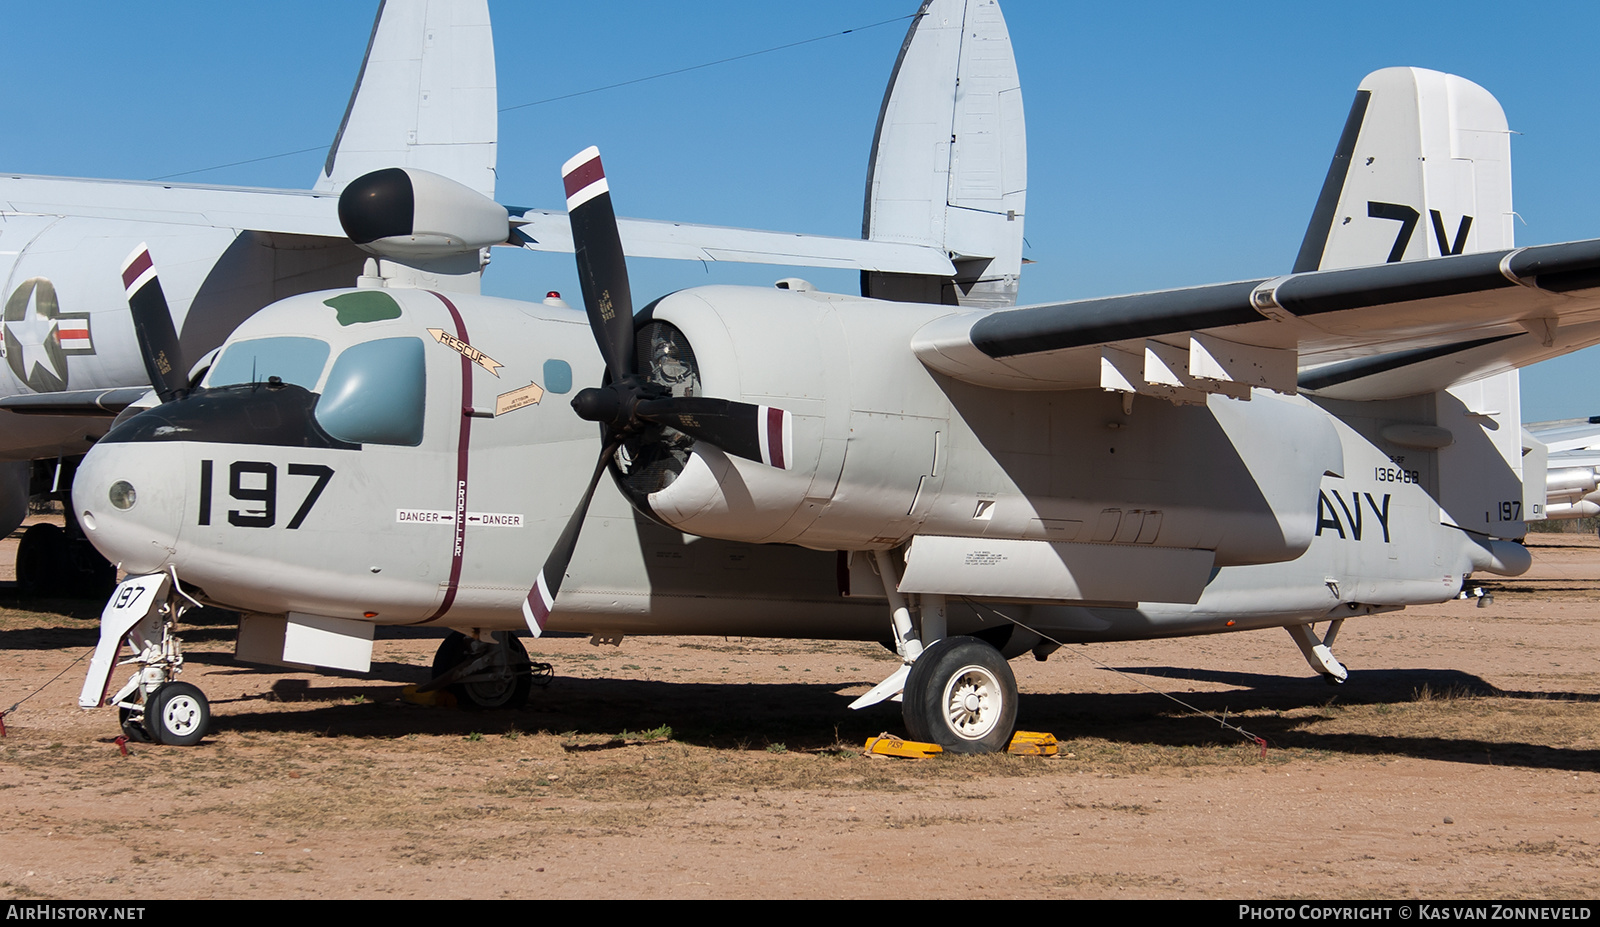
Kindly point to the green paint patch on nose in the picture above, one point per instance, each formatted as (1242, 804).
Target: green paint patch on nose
(363, 306)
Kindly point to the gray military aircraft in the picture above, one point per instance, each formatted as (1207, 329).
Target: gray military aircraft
(72, 351)
(976, 483)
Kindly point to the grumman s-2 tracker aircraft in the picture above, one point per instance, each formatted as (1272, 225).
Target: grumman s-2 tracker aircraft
(976, 483)
(425, 98)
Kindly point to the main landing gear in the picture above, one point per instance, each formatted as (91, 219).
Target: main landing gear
(59, 562)
(487, 674)
(961, 695)
(56, 562)
(957, 692)
(152, 706)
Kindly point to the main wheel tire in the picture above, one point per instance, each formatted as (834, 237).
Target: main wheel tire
(507, 692)
(177, 715)
(89, 575)
(133, 726)
(41, 554)
(961, 695)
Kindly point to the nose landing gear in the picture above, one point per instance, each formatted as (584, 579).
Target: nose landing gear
(153, 708)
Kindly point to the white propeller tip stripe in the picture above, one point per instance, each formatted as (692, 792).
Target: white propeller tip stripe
(537, 606)
(139, 254)
(777, 450)
(587, 193)
(584, 169)
(582, 157)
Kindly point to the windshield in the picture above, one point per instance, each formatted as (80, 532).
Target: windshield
(292, 360)
(375, 393)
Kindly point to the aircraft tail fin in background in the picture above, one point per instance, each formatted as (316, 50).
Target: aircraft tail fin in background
(1423, 169)
(949, 158)
(425, 97)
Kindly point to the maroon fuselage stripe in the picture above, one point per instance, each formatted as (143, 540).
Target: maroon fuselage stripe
(583, 175)
(462, 445)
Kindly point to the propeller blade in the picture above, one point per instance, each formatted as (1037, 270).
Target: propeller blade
(152, 324)
(542, 597)
(759, 433)
(602, 269)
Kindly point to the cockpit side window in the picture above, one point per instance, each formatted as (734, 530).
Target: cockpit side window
(375, 393)
(292, 360)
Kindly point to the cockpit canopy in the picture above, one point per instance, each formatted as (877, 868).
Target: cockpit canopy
(373, 393)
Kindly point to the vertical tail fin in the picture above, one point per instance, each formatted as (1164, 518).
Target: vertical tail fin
(425, 97)
(1423, 169)
(949, 158)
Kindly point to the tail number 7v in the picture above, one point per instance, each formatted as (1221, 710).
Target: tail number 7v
(255, 482)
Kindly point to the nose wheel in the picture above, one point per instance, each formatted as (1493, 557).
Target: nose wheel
(177, 715)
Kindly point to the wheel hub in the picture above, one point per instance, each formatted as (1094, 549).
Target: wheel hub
(972, 699)
(181, 714)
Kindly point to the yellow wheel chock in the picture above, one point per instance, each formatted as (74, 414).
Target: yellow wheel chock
(1023, 743)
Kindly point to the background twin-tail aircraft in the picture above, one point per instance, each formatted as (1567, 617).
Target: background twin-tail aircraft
(425, 99)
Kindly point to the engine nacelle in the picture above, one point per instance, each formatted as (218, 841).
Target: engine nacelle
(408, 214)
(884, 449)
(1570, 483)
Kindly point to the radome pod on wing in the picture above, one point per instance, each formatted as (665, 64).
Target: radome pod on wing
(404, 213)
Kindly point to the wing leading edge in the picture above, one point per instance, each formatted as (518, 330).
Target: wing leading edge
(1444, 319)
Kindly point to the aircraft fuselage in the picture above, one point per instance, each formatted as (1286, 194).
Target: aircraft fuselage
(416, 460)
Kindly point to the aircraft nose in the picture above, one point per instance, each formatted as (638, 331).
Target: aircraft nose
(130, 498)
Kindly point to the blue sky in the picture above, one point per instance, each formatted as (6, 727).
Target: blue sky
(1169, 144)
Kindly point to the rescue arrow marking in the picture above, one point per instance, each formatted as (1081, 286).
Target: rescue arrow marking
(466, 350)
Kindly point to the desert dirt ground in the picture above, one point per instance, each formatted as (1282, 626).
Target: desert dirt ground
(1462, 759)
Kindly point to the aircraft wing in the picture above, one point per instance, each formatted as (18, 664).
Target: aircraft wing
(1568, 435)
(98, 403)
(300, 212)
(1371, 332)
(309, 212)
(551, 230)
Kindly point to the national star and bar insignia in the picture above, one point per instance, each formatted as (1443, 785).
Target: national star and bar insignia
(39, 337)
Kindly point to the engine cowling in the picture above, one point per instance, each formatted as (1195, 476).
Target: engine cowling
(883, 449)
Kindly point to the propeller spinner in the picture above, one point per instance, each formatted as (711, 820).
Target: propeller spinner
(629, 402)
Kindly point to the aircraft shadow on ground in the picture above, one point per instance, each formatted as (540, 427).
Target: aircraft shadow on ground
(814, 717)
(1363, 687)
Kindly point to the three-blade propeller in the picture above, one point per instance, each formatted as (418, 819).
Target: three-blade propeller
(152, 325)
(628, 401)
